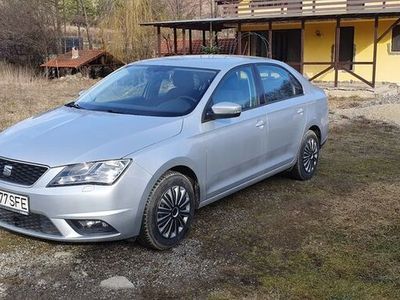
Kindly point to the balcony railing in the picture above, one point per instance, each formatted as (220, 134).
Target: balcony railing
(259, 8)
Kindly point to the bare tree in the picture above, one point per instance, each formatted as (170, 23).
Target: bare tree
(86, 24)
(28, 30)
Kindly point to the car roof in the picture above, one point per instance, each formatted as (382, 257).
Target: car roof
(215, 62)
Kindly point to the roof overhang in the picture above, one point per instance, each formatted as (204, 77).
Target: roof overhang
(218, 24)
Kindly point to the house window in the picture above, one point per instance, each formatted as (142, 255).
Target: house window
(396, 38)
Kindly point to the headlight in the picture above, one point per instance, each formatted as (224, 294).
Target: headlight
(102, 172)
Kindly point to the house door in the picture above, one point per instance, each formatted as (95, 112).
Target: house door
(286, 46)
(346, 47)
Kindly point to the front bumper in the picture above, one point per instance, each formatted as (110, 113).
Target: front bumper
(51, 209)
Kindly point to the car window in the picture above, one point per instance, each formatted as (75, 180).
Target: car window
(237, 87)
(149, 90)
(278, 83)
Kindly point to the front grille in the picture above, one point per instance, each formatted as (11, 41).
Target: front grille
(33, 222)
(19, 172)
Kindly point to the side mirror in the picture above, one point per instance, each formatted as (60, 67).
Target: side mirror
(224, 110)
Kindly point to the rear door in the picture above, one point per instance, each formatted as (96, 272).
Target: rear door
(235, 147)
(285, 111)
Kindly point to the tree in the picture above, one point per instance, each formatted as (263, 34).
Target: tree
(121, 30)
(28, 30)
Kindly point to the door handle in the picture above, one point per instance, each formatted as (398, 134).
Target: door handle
(300, 111)
(260, 124)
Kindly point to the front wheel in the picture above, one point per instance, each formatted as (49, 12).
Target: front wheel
(169, 212)
(307, 158)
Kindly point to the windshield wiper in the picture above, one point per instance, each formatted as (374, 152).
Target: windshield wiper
(73, 104)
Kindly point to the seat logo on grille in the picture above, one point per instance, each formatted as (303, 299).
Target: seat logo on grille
(7, 170)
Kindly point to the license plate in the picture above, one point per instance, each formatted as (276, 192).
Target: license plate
(14, 202)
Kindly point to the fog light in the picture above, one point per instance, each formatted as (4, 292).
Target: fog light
(85, 227)
(92, 224)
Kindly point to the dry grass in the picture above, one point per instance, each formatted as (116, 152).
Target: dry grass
(17, 75)
(26, 94)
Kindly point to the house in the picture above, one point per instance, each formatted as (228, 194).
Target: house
(326, 40)
(93, 63)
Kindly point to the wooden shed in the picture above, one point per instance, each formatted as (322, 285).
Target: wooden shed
(93, 63)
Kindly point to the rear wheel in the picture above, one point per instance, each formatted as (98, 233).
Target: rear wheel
(308, 156)
(169, 212)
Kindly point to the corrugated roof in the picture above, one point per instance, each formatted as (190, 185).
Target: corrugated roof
(65, 60)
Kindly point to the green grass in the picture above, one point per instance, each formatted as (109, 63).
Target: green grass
(334, 237)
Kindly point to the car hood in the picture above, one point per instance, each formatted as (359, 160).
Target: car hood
(69, 135)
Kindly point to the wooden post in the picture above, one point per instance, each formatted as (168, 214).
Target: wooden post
(270, 39)
(337, 47)
(183, 41)
(239, 37)
(158, 40)
(376, 24)
(302, 47)
(388, 30)
(190, 42)
(204, 38)
(175, 42)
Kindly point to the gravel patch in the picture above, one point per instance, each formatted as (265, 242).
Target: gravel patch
(389, 113)
(385, 107)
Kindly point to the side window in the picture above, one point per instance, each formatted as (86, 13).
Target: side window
(237, 87)
(278, 83)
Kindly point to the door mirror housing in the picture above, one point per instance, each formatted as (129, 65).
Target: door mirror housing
(224, 110)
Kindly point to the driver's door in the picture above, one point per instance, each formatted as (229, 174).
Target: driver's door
(235, 147)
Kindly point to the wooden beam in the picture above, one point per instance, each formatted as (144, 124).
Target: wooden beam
(190, 42)
(239, 37)
(339, 63)
(358, 77)
(376, 24)
(302, 47)
(175, 42)
(322, 72)
(270, 39)
(158, 40)
(388, 30)
(337, 48)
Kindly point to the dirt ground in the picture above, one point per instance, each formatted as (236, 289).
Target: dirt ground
(334, 237)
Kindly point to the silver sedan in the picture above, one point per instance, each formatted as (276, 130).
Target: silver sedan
(139, 152)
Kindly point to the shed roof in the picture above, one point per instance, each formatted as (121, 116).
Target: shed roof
(85, 56)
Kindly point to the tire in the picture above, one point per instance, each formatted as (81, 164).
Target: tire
(169, 212)
(307, 159)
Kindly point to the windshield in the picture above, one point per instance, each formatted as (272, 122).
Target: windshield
(149, 90)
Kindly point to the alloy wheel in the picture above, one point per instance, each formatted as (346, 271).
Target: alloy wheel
(310, 155)
(173, 212)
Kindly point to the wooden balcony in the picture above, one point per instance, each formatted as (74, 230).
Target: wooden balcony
(293, 8)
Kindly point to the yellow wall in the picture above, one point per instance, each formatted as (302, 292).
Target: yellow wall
(318, 48)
